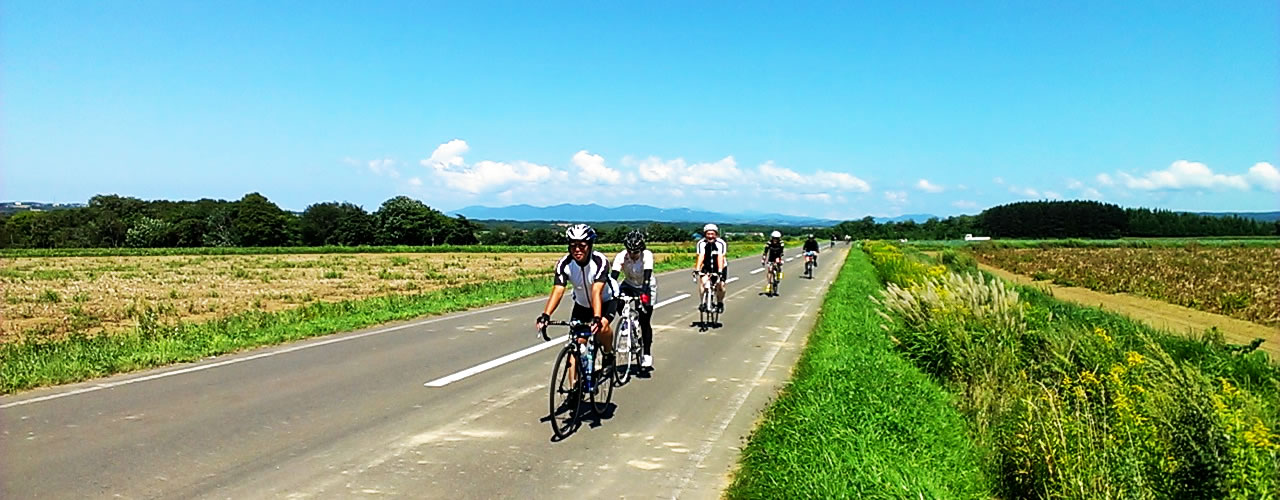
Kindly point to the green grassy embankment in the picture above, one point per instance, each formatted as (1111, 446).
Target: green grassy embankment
(857, 420)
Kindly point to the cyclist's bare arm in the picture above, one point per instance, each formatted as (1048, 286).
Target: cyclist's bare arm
(697, 265)
(557, 292)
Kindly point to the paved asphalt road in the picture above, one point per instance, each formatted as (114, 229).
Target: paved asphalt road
(387, 411)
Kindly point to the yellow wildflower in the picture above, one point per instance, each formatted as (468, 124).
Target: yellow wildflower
(1088, 377)
(1134, 359)
(1102, 333)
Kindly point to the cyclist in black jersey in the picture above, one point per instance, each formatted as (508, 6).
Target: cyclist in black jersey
(712, 252)
(811, 250)
(594, 295)
(773, 250)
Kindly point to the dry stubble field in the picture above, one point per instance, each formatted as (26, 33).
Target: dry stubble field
(1241, 282)
(49, 297)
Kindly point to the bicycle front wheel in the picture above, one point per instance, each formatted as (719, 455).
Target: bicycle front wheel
(624, 342)
(566, 394)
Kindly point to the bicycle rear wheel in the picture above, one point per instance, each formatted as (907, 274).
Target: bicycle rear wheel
(566, 394)
(603, 393)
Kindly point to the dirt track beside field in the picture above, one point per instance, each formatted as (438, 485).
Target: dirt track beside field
(1159, 314)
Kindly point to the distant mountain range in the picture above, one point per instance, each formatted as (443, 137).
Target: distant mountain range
(597, 213)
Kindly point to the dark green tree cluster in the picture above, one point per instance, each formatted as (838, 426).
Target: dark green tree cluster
(1147, 222)
(251, 221)
(1056, 219)
(933, 229)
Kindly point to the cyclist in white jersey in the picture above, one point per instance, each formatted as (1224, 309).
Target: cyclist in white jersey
(594, 298)
(635, 266)
(712, 251)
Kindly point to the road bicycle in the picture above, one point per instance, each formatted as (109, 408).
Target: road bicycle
(707, 312)
(627, 340)
(809, 262)
(774, 277)
(580, 379)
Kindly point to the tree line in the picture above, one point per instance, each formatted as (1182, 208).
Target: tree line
(254, 221)
(110, 221)
(1059, 219)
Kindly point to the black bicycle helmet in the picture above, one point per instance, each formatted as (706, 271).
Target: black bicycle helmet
(634, 241)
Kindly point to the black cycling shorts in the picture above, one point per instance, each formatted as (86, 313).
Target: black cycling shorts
(608, 310)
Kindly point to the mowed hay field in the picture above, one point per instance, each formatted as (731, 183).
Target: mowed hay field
(1241, 282)
(47, 298)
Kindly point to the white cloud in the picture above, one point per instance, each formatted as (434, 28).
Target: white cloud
(384, 166)
(1265, 176)
(1091, 194)
(1184, 174)
(964, 204)
(594, 170)
(415, 182)
(773, 175)
(896, 197)
(1027, 192)
(998, 180)
(1106, 180)
(929, 187)
(448, 154)
(1074, 184)
(1052, 195)
(447, 164)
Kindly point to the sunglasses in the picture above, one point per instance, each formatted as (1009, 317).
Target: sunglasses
(579, 244)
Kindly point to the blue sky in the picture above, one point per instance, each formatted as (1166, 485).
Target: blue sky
(835, 110)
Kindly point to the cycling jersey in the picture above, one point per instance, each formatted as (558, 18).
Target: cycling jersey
(596, 270)
(709, 252)
(773, 251)
(811, 245)
(633, 270)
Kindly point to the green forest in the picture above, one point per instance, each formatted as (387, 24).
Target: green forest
(111, 221)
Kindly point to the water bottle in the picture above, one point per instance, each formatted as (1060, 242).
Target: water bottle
(588, 365)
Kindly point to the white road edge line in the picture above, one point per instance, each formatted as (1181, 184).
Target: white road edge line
(729, 412)
(449, 379)
(758, 271)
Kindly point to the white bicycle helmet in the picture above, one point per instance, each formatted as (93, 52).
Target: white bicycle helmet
(710, 227)
(580, 232)
(775, 234)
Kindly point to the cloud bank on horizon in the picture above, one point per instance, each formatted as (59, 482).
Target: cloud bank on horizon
(449, 179)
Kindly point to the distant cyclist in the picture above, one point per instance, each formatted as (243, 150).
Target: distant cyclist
(772, 258)
(594, 298)
(711, 259)
(635, 264)
(811, 250)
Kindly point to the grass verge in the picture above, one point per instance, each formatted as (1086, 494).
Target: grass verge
(857, 420)
(155, 342)
(1075, 402)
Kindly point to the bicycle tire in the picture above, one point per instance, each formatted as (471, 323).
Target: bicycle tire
(603, 392)
(624, 349)
(563, 393)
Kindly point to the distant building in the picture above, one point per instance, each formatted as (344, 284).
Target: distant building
(970, 237)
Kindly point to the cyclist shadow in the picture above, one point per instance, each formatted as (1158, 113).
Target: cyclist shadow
(589, 416)
(704, 326)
